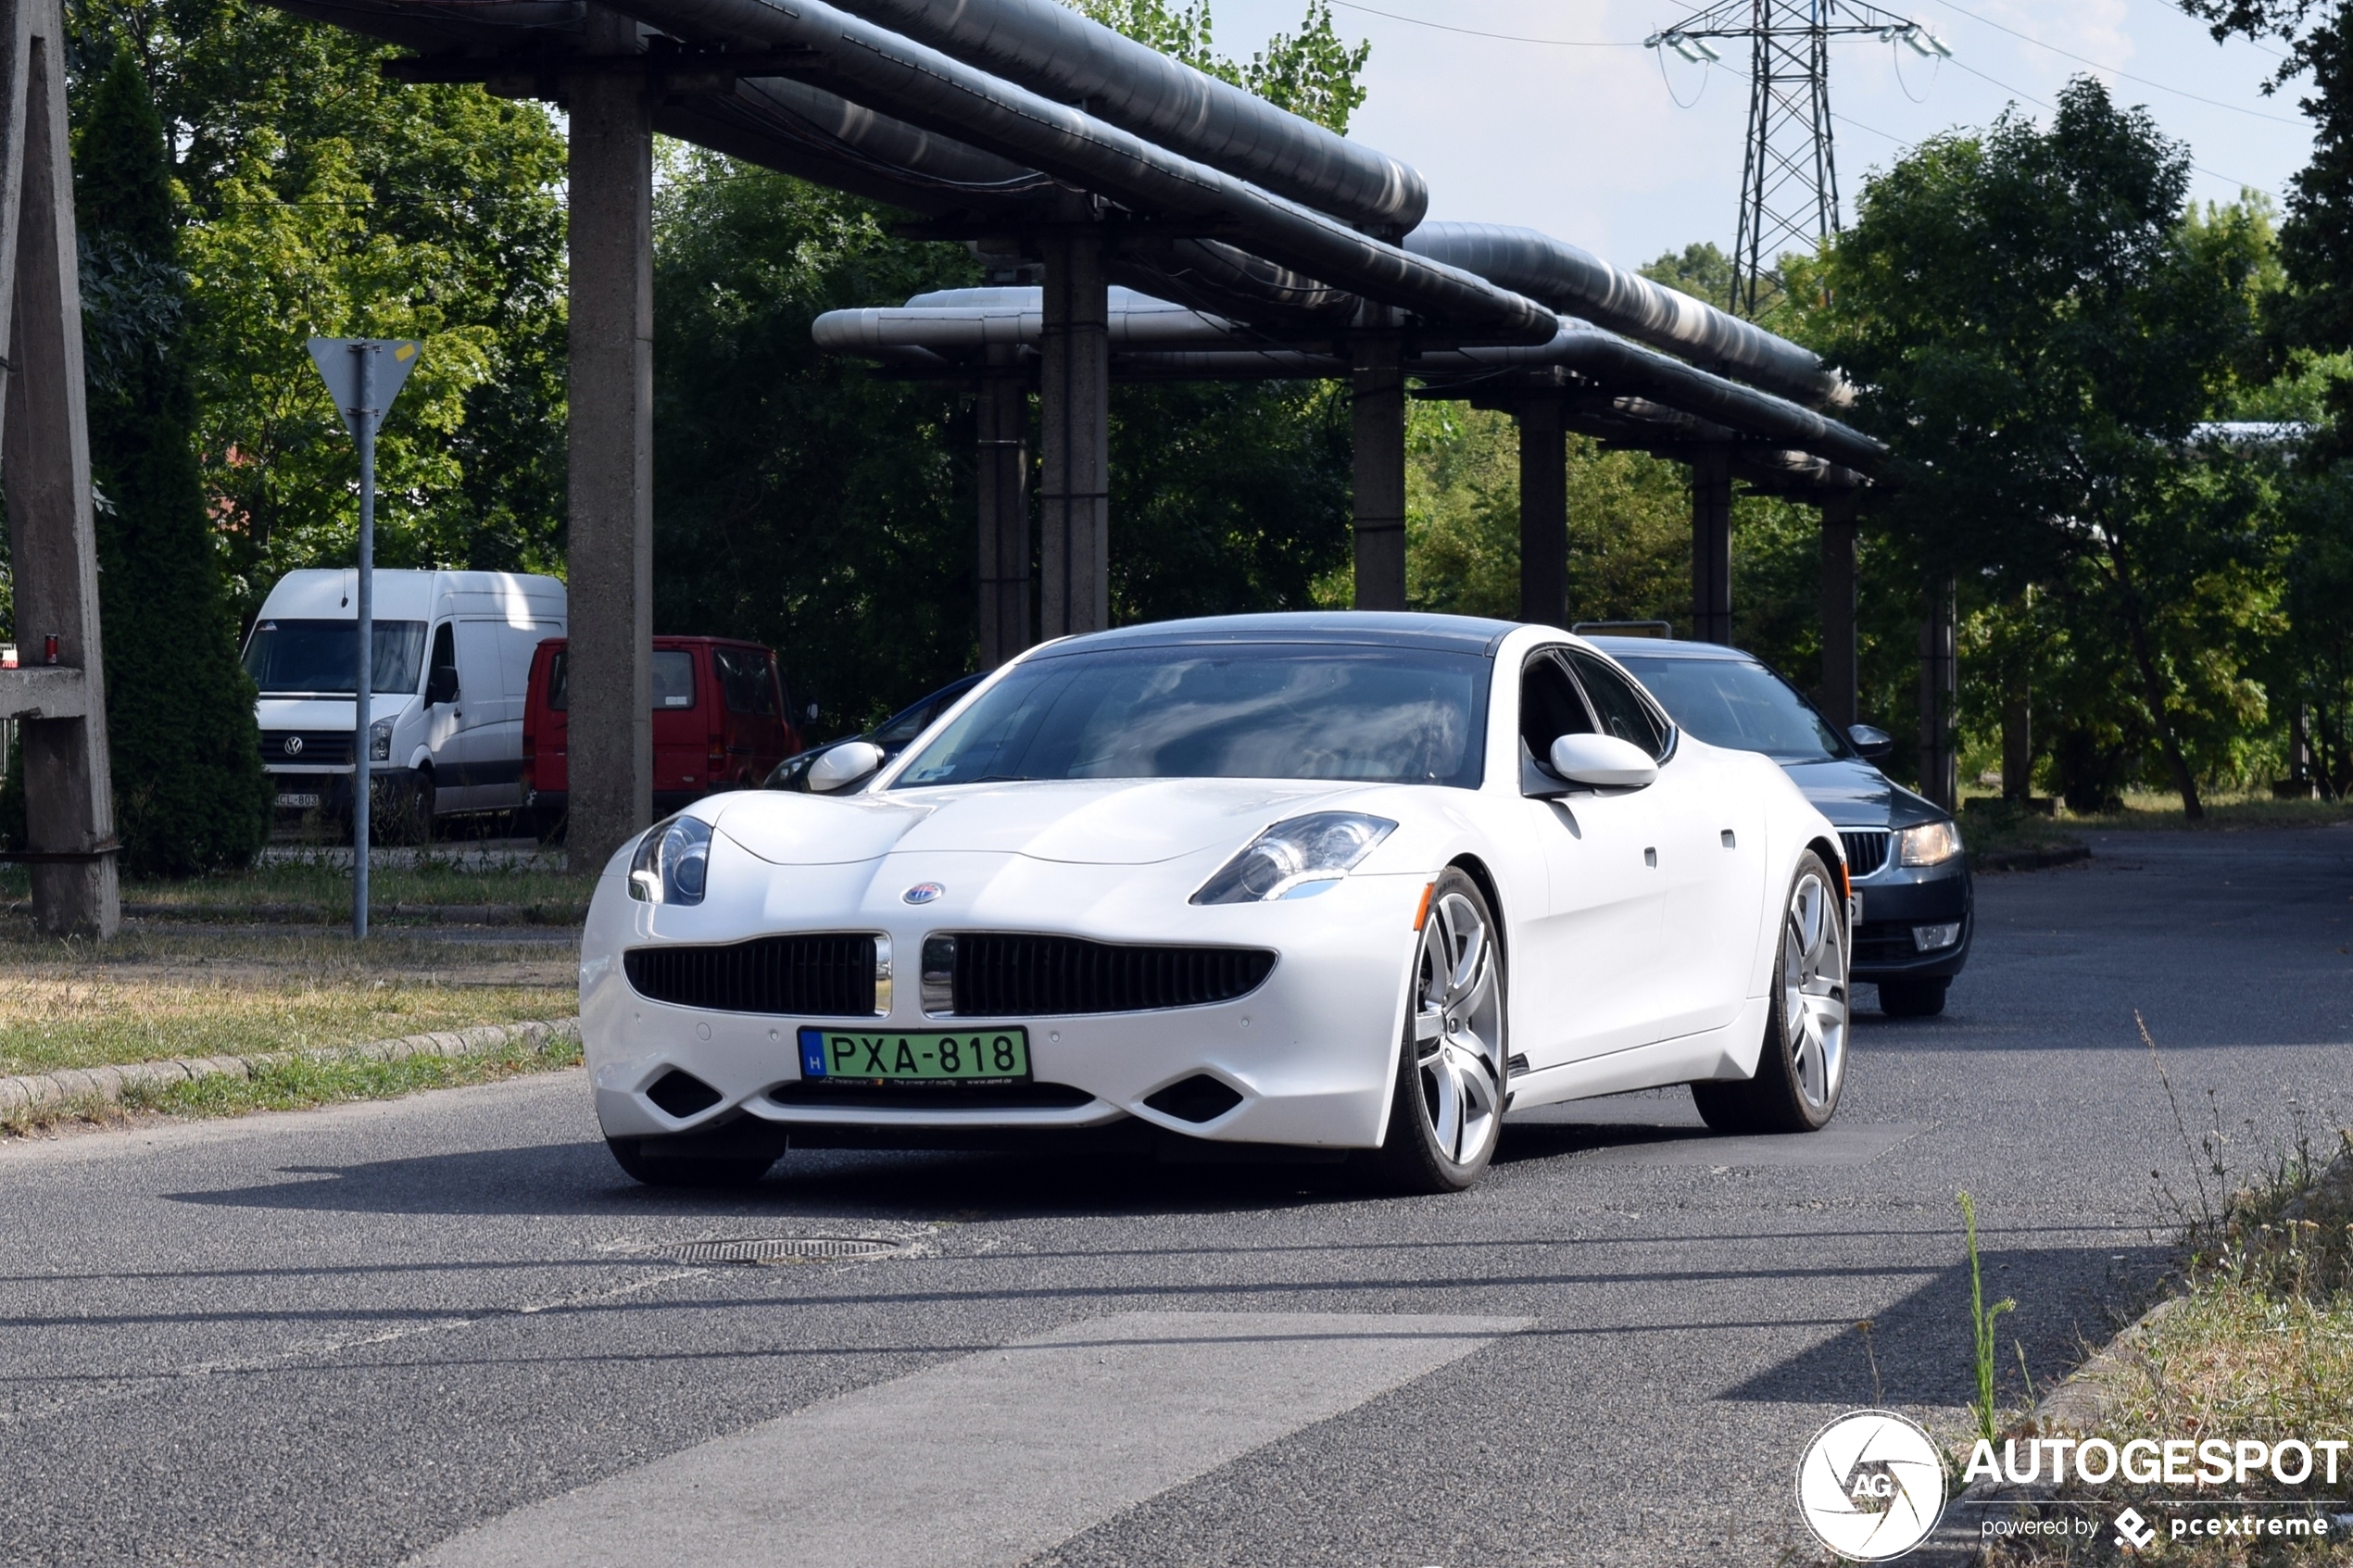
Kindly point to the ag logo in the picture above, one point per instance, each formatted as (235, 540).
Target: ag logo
(294, 746)
(1872, 1485)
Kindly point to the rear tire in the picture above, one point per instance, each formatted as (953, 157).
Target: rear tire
(1446, 1108)
(1801, 1070)
(693, 1171)
(1912, 999)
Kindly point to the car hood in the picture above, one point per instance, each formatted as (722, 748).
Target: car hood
(1094, 822)
(324, 712)
(1852, 793)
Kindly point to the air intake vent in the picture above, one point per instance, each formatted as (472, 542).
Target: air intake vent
(1865, 851)
(1000, 976)
(1198, 1098)
(801, 976)
(682, 1093)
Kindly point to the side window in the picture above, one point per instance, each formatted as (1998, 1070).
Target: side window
(673, 678)
(1623, 710)
(556, 667)
(744, 681)
(441, 684)
(1548, 706)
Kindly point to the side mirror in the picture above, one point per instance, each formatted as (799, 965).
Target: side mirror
(442, 687)
(1875, 743)
(1603, 761)
(844, 766)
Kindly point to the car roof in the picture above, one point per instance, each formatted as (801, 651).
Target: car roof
(1668, 647)
(1455, 633)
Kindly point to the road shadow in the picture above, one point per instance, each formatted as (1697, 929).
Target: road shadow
(1922, 1350)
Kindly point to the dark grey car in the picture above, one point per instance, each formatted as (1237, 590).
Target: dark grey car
(1902, 851)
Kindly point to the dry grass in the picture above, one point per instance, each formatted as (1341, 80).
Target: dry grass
(2259, 1346)
(173, 991)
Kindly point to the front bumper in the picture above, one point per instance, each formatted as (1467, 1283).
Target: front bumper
(1310, 1052)
(333, 788)
(1896, 902)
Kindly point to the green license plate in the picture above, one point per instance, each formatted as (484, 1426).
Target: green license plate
(854, 1056)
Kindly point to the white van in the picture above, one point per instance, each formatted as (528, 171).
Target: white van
(452, 661)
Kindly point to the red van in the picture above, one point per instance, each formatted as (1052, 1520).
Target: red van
(720, 721)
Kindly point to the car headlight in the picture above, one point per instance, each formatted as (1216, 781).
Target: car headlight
(380, 741)
(672, 862)
(1297, 859)
(1931, 844)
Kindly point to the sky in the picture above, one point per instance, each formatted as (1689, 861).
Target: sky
(1567, 123)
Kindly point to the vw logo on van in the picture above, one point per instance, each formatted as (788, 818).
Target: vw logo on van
(294, 746)
(923, 892)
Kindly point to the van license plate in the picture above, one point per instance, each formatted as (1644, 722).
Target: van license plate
(298, 802)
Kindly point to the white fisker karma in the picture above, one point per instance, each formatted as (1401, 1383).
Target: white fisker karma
(1259, 886)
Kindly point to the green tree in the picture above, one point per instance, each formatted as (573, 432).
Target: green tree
(2038, 329)
(188, 786)
(316, 198)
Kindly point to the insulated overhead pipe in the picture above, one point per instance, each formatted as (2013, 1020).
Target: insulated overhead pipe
(1060, 55)
(919, 84)
(1576, 283)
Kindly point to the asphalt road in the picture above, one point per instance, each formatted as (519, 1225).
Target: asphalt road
(447, 1325)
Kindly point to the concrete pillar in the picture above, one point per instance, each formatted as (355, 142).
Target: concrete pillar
(1378, 378)
(1002, 471)
(1073, 416)
(611, 436)
(1712, 548)
(1940, 758)
(1543, 513)
(45, 463)
(1840, 679)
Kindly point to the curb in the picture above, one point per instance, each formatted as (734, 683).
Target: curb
(108, 1083)
(2034, 860)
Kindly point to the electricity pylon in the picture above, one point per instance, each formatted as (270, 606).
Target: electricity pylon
(1789, 184)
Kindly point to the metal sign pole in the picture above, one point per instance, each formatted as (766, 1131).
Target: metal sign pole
(363, 684)
(363, 387)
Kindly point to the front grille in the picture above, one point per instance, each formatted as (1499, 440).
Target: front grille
(805, 977)
(312, 747)
(1002, 976)
(1885, 941)
(1865, 851)
(869, 1096)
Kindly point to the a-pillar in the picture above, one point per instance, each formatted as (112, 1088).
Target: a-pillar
(44, 456)
(1840, 675)
(610, 554)
(1712, 548)
(1377, 380)
(1940, 757)
(1074, 420)
(1543, 512)
(1002, 468)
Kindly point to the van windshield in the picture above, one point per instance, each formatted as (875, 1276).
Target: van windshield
(314, 658)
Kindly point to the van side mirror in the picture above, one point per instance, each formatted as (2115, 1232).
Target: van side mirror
(442, 686)
(843, 766)
(1603, 761)
(1875, 743)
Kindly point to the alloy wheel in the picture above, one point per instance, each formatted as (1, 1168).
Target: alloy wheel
(1814, 990)
(1459, 1030)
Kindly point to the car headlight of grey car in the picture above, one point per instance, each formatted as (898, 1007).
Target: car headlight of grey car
(672, 862)
(1296, 858)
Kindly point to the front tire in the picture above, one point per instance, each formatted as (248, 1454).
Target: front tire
(1801, 1071)
(1446, 1110)
(1912, 999)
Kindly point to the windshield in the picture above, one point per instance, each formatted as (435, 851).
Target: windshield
(1368, 715)
(314, 658)
(1730, 702)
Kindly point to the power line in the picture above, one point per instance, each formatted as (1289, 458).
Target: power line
(2115, 70)
(2040, 104)
(1499, 37)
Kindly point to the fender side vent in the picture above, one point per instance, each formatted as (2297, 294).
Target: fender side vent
(1514, 1066)
(1198, 1098)
(682, 1093)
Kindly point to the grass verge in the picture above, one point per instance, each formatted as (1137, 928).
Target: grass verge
(318, 890)
(297, 1084)
(2259, 1346)
(162, 992)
